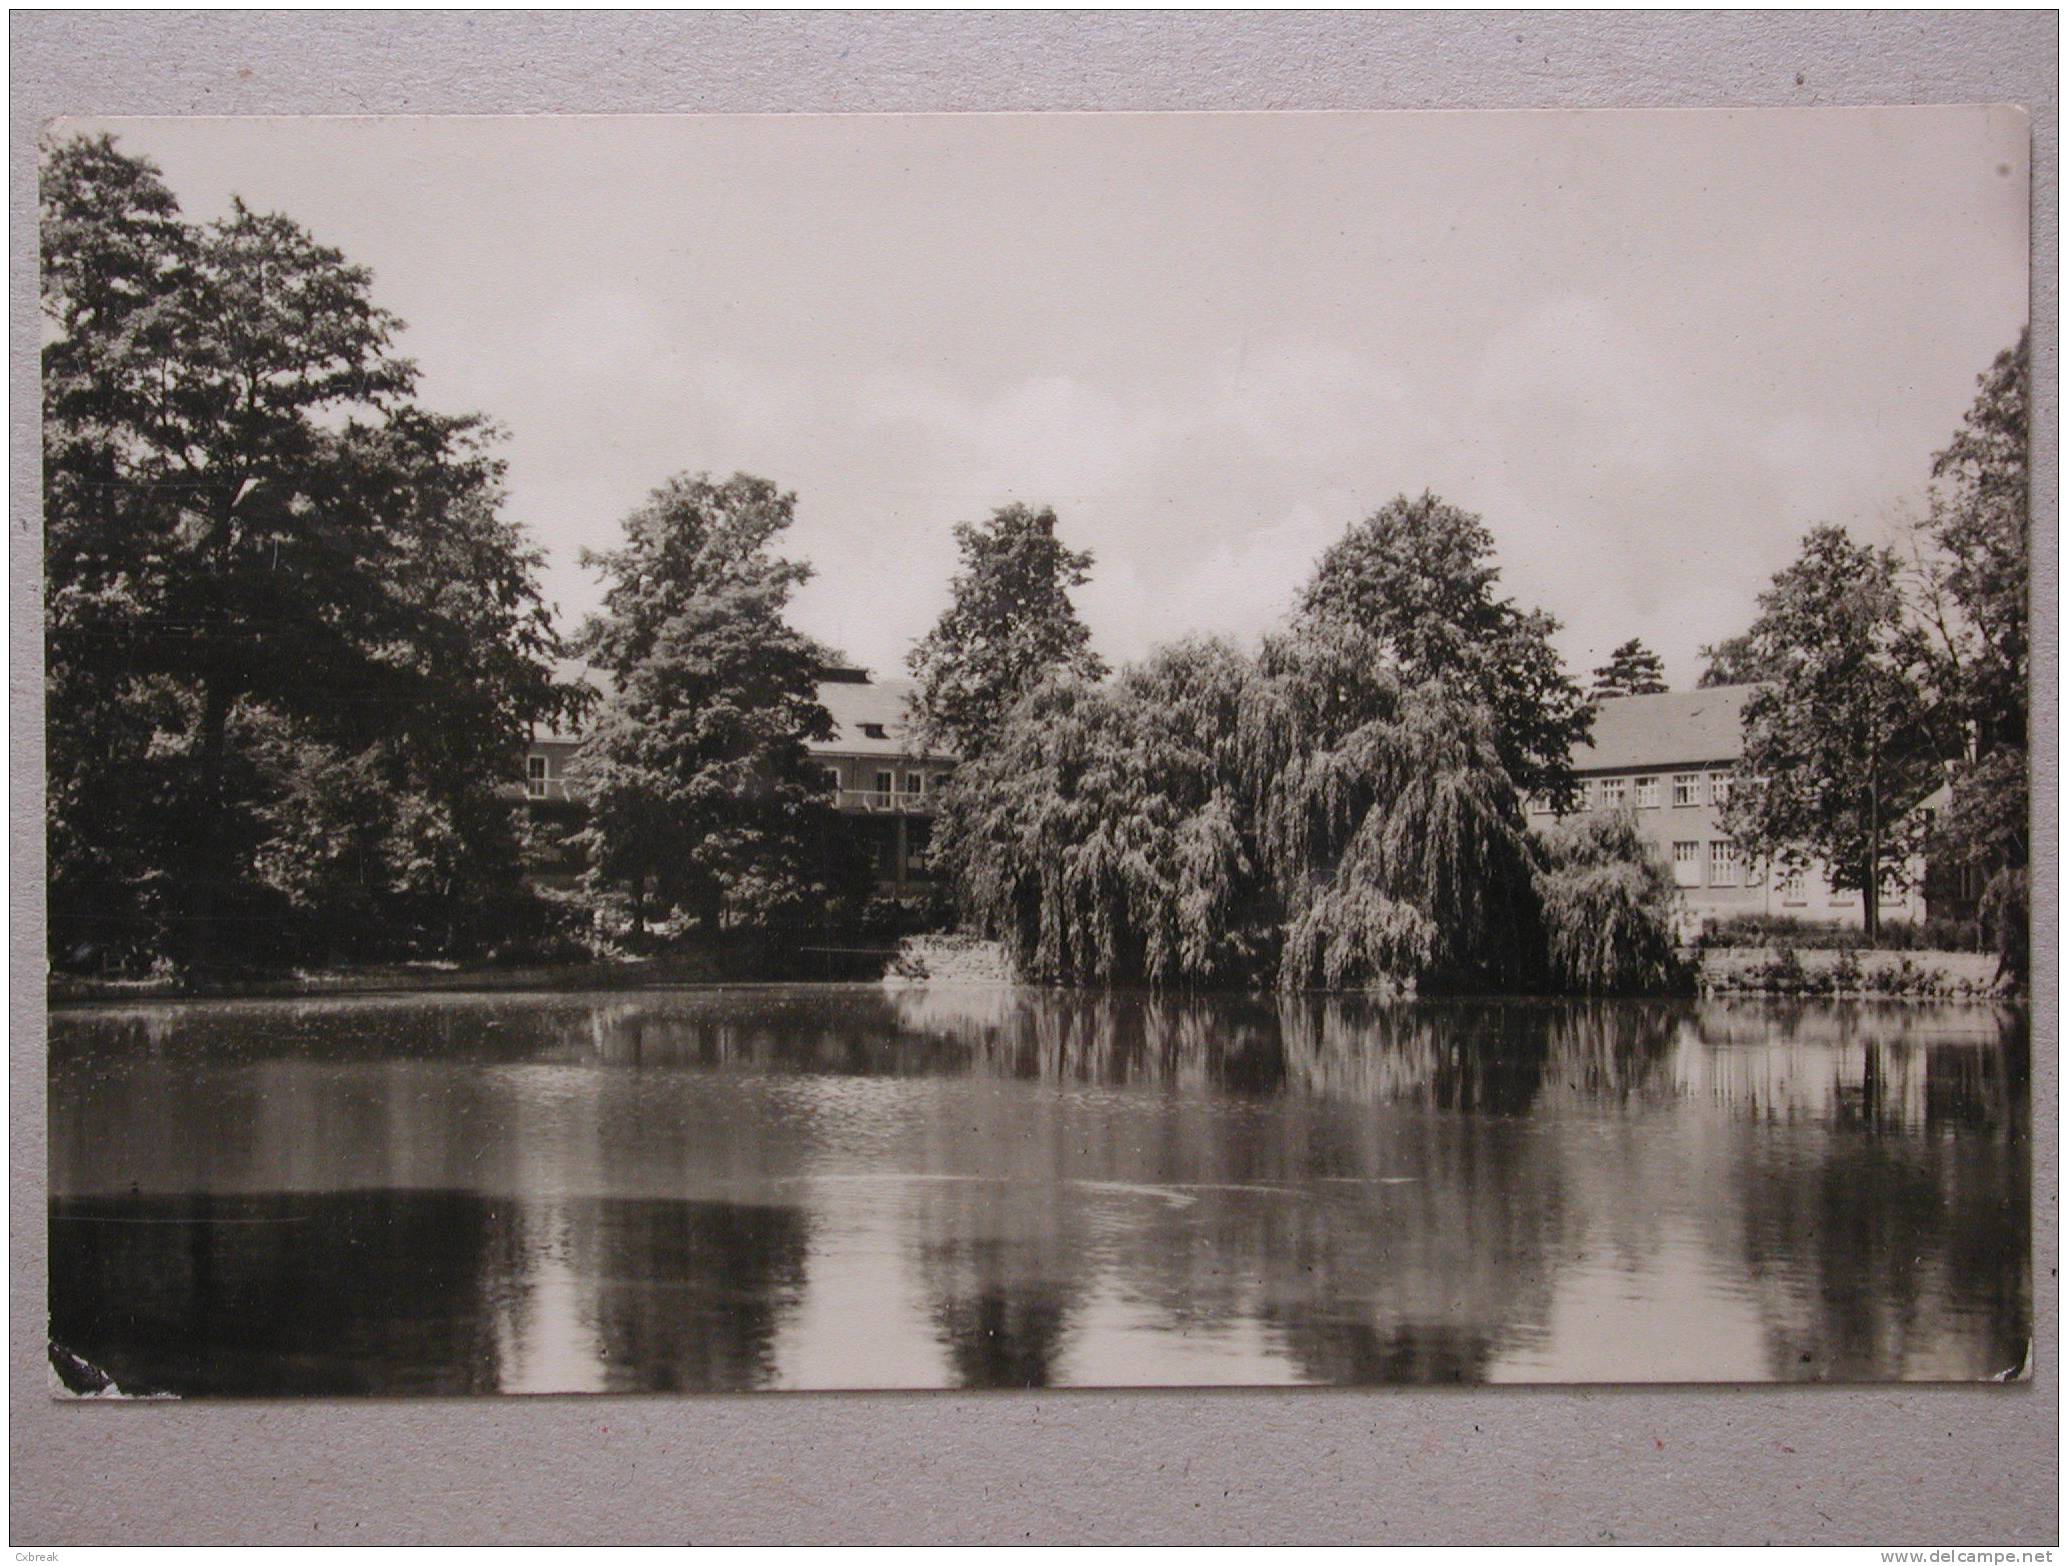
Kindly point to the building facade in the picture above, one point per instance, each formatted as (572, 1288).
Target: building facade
(1668, 760)
(879, 776)
(876, 774)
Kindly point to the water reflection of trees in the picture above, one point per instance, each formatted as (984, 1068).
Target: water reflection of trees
(1881, 1166)
(1891, 1067)
(1394, 1191)
(1372, 1242)
(277, 1295)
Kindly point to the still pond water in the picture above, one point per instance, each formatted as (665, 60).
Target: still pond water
(851, 1187)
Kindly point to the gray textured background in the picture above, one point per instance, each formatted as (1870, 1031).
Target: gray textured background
(1895, 1465)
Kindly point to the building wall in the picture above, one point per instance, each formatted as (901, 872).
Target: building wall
(1676, 808)
(546, 764)
(889, 800)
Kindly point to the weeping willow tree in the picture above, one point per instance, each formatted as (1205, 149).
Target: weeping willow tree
(1607, 904)
(1299, 818)
(1101, 837)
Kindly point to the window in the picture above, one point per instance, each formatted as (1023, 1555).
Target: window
(884, 784)
(535, 777)
(874, 731)
(1687, 864)
(1612, 791)
(1719, 788)
(1647, 793)
(832, 782)
(1723, 863)
(1687, 788)
(912, 784)
(1793, 889)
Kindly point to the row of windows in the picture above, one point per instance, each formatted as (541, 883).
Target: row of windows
(887, 785)
(1646, 793)
(1721, 859)
(1725, 868)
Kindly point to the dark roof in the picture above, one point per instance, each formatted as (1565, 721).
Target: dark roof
(1673, 728)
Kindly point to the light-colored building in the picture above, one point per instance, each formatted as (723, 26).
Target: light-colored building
(1667, 759)
(875, 772)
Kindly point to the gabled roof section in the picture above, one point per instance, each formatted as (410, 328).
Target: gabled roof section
(860, 706)
(857, 703)
(1673, 728)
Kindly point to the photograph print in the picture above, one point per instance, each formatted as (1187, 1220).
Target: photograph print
(733, 753)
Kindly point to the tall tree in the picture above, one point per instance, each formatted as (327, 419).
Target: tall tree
(1980, 520)
(1418, 576)
(700, 788)
(1973, 616)
(1633, 669)
(247, 520)
(1836, 750)
(1009, 624)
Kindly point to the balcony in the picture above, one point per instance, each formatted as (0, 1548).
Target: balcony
(876, 802)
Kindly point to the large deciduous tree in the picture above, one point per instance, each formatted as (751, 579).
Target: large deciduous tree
(1418, 576)
(1836, 748)
(254, 540)
(700, 786)
(1973, 583)
(1633, 669)
(1009, 625)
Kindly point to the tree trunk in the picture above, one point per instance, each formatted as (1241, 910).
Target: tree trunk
(1870, 890)
(206, 869)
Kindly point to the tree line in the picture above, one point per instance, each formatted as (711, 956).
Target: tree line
(295, 653)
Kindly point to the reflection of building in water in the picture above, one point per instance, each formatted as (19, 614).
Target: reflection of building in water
(1890, 1067)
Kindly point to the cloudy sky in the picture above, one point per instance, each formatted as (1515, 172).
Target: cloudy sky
(1650, 350)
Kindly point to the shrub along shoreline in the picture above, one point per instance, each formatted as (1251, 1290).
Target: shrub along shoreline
(1848, 973)
(960, 959)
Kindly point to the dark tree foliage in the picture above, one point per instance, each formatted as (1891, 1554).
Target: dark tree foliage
(1732, 661)
(1418, 576)
(1837, 749)
(701, 791)
(1980, 520)
(1633, 669)
(1009, 625)
(264, 566)
(1298, 819)
(1974, 642)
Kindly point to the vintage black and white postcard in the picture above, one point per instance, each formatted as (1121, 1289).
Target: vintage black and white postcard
(732, 753)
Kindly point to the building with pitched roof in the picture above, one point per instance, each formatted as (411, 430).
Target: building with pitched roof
(1668, 760)
(875, 769)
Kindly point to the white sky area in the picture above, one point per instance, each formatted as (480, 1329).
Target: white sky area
(1649, 349)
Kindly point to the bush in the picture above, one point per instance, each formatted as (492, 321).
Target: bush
(1607, 909)
(1939, 934)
